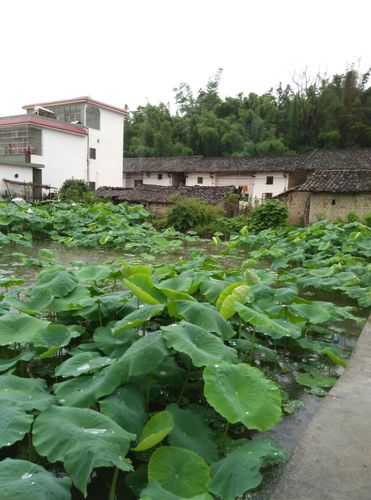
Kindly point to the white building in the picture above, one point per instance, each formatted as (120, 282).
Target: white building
(259, 178)
(71, 139)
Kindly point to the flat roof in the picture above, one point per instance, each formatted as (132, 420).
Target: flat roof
(74, 100)
(42, 122)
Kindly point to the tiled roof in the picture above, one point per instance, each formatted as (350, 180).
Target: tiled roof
(338, 181)
(213, 164)
(347, 159)
(42, 122)
(162, 194)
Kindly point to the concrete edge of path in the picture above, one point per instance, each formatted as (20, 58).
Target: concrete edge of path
(332, 460)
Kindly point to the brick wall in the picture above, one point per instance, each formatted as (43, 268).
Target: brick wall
(296, 203)
(338, 205)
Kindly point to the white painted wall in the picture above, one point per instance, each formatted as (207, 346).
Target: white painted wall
(153, 180)
(260, 185)
(129, 180)
(8, 172)
(64, 157)
(234, 180)
(106, 169)
(208, 179)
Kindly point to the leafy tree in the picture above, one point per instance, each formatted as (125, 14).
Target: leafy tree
(309, 113)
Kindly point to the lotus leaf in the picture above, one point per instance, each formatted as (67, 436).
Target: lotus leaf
(201, 346)
(24, 480)
(179, 471)
(87, 440)
(82, 363)
(19, 328)
(126, 406)
(205, 316)
(240, 470)
(155, 430)
(14, 423)
(28, 393)
(241, 393)
(192, 432)
(137, 318)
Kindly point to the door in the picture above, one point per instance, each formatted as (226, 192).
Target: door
(37, 181)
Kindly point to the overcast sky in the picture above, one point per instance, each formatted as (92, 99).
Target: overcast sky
(136, 51)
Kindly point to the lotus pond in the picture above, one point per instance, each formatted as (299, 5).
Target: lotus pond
(164, 378)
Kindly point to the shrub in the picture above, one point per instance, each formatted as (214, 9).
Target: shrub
(190, 212)
(352, 217)
(231, 204)
(367, 219)
(73, 190)
(272, 213)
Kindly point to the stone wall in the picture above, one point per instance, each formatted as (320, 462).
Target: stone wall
(296, 202)
(332, 206)
(158, 209)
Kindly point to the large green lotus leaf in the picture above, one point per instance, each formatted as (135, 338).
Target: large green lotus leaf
(57, 279)
(5, 364)
(168, 374)
(68, 302)
(177, 288)
(241, 393)
(201, 346)
(142, 286)
(22, 480)
(315, 380)
(143, 356)
(85, 390)
(226, 292)
(284, 312)
(93, 272)
(284, 295)
(313, 313)
(126, 406)
(154, 491)
(53, 335)
(240, 470)
(28, 393)
(227, 299)
(179, 283)
(87, 439)
(40, 300)
(104, 307)
(192, 432)
(19, 328)
(212, 288)
(82, 363)
(263, 323)
(205, 316)
(14, 423)
(155, 430)
(114, 345)
(137, 318)
(180, 471)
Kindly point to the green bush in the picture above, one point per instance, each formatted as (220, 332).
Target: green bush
(367, 219)
(190, 212)
(272, 213)
(75, 190)
(352, 217)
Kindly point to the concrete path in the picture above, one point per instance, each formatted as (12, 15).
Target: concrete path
(333, 457)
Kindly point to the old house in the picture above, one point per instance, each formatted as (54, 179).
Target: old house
(259, 178)
(338, 183)
(76, 138)
(159, 198)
